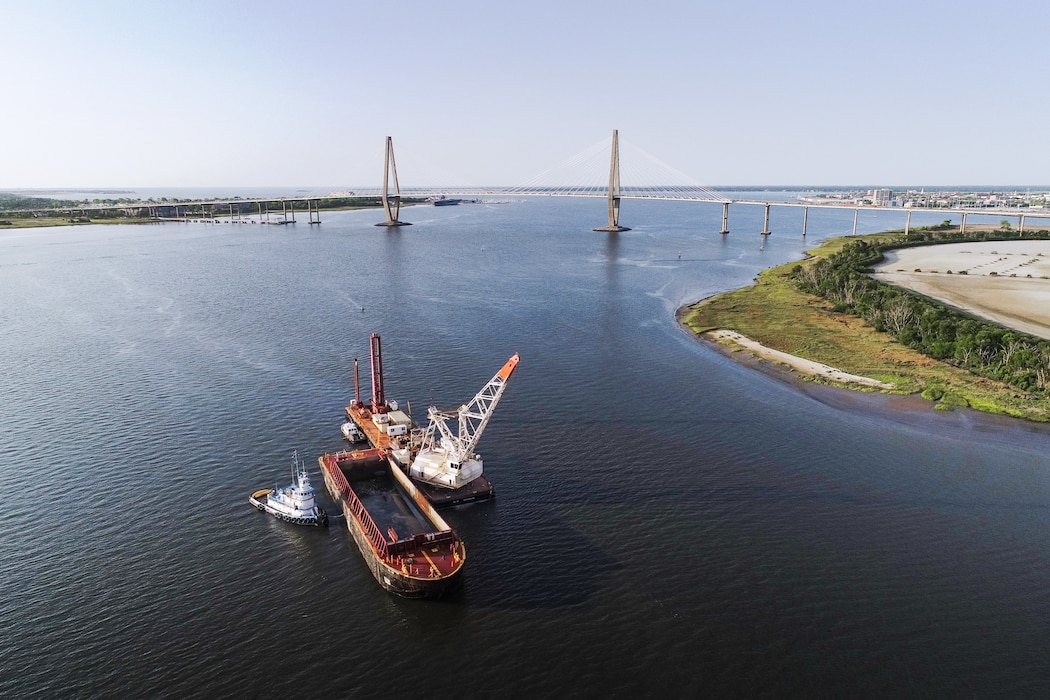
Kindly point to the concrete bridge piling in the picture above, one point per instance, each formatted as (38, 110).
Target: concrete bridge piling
(391, 203)
(614, 189)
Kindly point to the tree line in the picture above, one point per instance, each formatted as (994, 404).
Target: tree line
(17, 206)
(929, 327)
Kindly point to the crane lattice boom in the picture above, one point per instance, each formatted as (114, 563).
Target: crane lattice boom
(473, 417)
(447, 458)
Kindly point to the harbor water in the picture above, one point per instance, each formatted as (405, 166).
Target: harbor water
(668, 522)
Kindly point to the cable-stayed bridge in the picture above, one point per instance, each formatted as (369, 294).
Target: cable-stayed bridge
(600, 171)
(577, 177)
(651, 177)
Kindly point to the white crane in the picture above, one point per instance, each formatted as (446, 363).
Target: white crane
(447, 458)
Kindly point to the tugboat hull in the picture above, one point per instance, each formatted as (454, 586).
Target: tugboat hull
(257, 499)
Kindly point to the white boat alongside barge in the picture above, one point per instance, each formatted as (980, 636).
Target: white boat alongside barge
(295, 503)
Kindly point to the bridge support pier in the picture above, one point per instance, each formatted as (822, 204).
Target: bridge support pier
(725, 218)
(907, 224)
(805, 220)
(962, 228)
(856, 215)
(314, 208)
(765, 226)
(391, 204)
(1020, 225)
(614, 188)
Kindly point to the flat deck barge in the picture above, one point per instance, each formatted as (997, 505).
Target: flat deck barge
(408, 547)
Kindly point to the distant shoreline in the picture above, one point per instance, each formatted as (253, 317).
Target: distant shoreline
(14, 223)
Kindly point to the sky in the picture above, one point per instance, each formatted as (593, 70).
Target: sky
(158, 93)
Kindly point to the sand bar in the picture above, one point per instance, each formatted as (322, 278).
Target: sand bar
(1007, 282)
(802, 365)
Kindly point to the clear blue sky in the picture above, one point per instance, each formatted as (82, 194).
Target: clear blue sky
(260, 93)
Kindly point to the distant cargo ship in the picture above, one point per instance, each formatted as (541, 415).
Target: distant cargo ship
(446, 202)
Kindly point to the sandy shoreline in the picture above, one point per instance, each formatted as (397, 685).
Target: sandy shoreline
(801, 365)
(1006, 282)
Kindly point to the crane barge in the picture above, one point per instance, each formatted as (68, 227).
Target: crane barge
(389, 490)
(440, 461)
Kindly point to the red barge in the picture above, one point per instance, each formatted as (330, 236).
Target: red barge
(408, 547)
(389, 491)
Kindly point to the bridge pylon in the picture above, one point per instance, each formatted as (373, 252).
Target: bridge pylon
(391, 204)
(614, 188)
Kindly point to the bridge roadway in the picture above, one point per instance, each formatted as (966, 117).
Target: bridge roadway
(688, 194)
(391, 195)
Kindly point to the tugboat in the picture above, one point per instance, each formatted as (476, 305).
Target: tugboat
(295, 503)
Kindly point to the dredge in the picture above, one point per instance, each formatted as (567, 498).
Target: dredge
(390, 489)
(440, 461)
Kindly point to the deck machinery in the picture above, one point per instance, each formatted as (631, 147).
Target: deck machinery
(440, 459)
(446, 458)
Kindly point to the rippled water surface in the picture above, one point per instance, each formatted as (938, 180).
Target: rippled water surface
(668, 522)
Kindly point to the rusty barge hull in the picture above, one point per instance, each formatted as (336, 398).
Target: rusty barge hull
(480, 489)
(419, 564)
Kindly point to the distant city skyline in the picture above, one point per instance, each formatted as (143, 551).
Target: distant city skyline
(119, 94)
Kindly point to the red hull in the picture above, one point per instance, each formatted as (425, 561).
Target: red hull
(420, 565)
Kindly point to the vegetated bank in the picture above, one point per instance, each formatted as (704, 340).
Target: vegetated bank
(828, 309)
(18, 211)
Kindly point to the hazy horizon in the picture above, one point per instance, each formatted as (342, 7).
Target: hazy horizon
(748, 93)
(292, 190)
